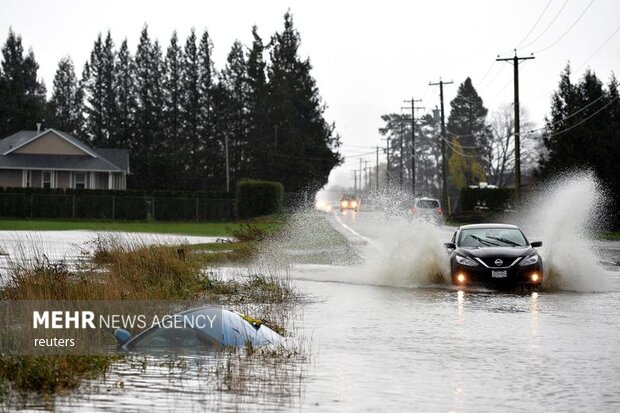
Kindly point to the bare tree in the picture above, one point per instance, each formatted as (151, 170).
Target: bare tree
(501, 151)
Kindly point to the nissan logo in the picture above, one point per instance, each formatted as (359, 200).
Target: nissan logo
(498, 262)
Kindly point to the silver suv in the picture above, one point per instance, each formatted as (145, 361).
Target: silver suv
(427, 209)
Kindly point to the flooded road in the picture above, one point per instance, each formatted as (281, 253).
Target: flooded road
(387, 333)
(438, 348)
(380, 342)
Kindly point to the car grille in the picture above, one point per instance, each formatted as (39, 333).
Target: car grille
(506, 261)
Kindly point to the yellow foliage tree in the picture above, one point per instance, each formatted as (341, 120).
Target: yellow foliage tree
(463, 168)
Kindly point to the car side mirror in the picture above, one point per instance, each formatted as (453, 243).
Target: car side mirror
(121, 336)
(536, 244)
(450, 245)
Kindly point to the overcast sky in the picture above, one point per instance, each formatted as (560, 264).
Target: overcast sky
(367, 55)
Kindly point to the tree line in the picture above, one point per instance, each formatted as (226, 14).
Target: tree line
(178, 115)
(582, 132)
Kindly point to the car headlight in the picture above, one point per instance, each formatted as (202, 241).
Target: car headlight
(532, 259)
(344, 204)
(466, 261)
(353, 204)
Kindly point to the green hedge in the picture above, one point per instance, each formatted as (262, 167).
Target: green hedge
(256, 198)
(494, 199)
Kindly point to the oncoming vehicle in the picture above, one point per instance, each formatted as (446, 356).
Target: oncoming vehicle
(495, 255)
(200, 329)
(427, 209)
(349, 202)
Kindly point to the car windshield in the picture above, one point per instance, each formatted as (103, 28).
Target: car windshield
(491, 237)
(427, 203)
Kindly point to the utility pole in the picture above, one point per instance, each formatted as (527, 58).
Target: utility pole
(387, 156)
(377, 170)
(227, 165)
(400, 176)
(366, 175)
(360, 175)
(515, 62)
(444, 161)
(355, 181)
(413, 109)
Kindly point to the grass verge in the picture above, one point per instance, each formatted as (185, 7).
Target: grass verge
(214, 229)
(121, 270)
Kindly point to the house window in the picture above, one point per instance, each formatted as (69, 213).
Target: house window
(28, 183)
(80, 180)
(46, 178)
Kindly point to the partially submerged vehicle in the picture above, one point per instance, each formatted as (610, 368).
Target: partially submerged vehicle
(494, 255)
(202, 329)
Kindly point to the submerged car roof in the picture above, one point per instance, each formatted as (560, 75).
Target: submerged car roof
(474, 226)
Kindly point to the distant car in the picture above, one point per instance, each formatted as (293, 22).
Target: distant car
(349, 202)
(427, 209)
(494, 255)
(192, 329)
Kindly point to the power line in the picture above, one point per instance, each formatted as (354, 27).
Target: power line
(548, 26)
(578, 111)
(577, 124)
(452, 146)
(569, 29)
(583, 64)
(600, 48)
(490, 82)
(535, 24)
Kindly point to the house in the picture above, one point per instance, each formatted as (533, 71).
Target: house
(55, 159)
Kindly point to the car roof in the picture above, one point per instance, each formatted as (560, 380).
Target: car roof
(475, 226)
(425, 198)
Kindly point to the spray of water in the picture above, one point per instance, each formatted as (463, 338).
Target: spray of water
(393, 250)
(564, 215)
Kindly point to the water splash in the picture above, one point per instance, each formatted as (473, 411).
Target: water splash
(411, 255)
(564, 216)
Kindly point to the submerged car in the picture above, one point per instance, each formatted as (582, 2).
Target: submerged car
(349, 202)
(427, 209)
(202, 329)
(494, 255)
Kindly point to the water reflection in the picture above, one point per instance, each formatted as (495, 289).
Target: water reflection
(461, 306)
(534, 314)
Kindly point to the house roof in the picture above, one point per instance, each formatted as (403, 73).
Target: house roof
(99, 159)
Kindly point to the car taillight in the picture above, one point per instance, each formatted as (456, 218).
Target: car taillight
(440, 210)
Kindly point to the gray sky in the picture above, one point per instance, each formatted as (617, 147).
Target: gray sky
(367, 55)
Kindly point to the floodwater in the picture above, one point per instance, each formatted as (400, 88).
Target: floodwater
(387, 332)
(381, 337)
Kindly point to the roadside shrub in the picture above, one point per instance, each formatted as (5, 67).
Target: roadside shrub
(256, 198)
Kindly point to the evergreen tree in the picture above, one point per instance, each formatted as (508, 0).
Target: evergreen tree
(109, 95)
(259, 132)
(304, 151)
(582, 131)
(147, 112)
(66, 104)
(235, 85)
(208, 152)
(172, 101)
(93, 80)
(190, 111)
(22, 94)
(467, 122)
(123, 117)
